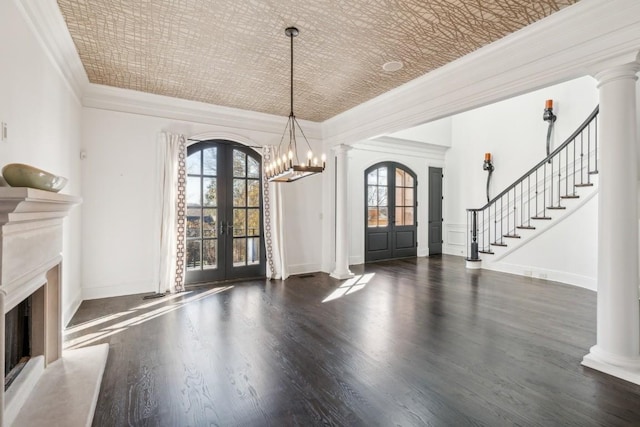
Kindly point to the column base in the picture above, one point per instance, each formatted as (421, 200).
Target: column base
(620, 367)
(341, 275)
(473, 264)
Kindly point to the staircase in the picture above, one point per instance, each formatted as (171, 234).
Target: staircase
(552, 190)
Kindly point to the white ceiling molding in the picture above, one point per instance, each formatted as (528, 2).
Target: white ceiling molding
(131, 101)
(403, 147)
(560, 47)
(47, 24)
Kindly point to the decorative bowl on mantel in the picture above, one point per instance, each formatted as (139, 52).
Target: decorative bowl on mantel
(21, 175)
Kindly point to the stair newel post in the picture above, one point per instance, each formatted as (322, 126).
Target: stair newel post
(474, 236)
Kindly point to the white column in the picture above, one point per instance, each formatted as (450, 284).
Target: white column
(617, 349)
(341, 270)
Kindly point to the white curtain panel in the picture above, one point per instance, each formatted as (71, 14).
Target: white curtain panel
(273, 222)
(170, 207)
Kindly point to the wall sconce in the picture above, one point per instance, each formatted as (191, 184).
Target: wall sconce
(549, 117)
(488, 166)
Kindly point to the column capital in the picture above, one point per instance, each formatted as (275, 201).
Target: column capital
(341, 148)
(622, 66)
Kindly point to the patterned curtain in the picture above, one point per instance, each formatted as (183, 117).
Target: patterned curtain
(171, 205)
(273, 221)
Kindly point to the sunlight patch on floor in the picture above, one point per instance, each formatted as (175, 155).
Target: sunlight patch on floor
(140, 318)
(351, 286)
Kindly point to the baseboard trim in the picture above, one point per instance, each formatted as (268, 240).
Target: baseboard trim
(545, 274)
(70, 311)
(96, 292)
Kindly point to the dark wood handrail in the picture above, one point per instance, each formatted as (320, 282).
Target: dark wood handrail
(578, 131)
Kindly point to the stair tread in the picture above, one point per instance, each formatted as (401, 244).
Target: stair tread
(587, 184)
(498, 244)
(513, 236)
(526, 227)
(570, 196)
(487, 252)
(540, 217)
(556, 207)
(593, 173)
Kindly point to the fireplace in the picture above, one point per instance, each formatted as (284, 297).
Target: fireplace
(31, 224)
(17, 340)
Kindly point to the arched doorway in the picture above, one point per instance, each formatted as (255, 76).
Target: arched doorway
(224, 212)
(390, 212)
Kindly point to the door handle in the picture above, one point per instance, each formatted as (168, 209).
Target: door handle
(222, 227)
(230, 229)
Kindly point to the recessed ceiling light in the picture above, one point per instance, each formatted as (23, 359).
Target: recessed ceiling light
(392, 66)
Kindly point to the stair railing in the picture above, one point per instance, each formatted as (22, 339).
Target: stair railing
(534, 194)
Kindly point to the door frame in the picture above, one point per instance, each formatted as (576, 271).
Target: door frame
(225, 195)
(391, 227)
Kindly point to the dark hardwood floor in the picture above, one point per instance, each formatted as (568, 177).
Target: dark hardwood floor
(424, 342)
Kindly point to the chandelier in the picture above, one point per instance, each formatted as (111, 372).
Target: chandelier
(284, 164)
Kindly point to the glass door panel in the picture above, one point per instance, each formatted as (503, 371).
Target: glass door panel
(390, 230)
(224, 212)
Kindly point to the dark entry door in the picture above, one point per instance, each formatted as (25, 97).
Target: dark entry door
(435, 211)
(224, 212)
(390, 212)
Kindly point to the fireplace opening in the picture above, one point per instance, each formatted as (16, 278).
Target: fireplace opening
(17, 341)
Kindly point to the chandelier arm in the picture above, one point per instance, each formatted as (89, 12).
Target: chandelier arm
(302, 132)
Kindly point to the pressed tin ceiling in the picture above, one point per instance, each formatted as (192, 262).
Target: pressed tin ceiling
(234, 53)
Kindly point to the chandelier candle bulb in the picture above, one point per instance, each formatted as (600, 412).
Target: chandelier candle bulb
(548, 104)
(487, 157)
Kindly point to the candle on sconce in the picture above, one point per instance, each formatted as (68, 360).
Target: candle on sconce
(487, 157)
(548, 104)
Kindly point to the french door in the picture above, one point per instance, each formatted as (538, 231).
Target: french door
(390, 212)
(224, 212)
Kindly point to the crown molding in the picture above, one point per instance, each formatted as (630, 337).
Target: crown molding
(131, 101)
(561, 47)
(404, 147)
(44, 19)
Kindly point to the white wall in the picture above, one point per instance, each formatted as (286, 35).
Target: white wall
(43, 118)
(567, 252)
(514, 132)
(118, 216)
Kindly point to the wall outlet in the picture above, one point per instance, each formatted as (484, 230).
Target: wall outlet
(4, 134)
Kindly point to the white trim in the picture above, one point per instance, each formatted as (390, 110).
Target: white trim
(583, 35)
(403, 147)
(118, 289)
(561, 47)
(148, 104)
(454, 245)
(70, 311)
(544, 274)
(303, 268)
(44, 19)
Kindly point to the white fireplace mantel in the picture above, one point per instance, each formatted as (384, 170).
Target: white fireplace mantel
(31, 237)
